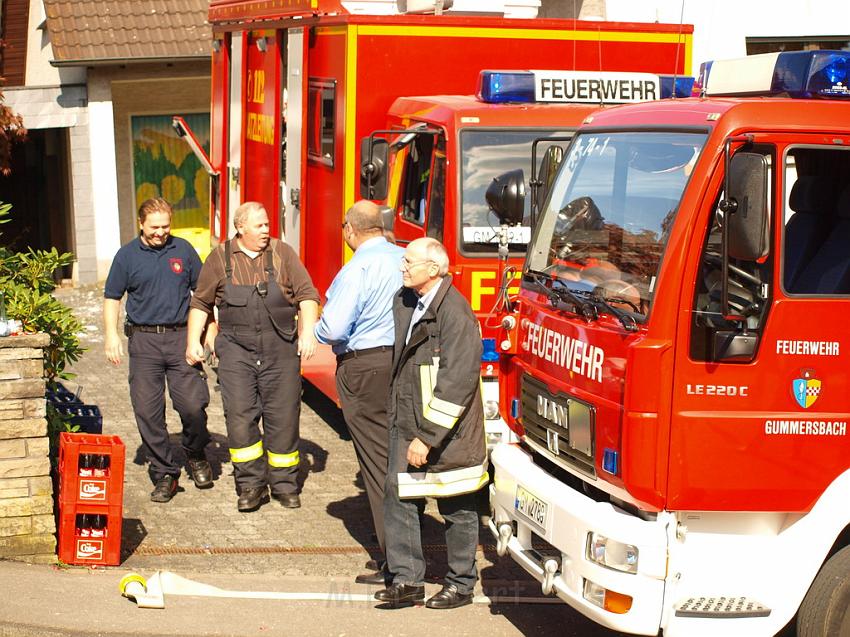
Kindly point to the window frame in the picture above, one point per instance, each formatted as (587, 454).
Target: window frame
(316, 124)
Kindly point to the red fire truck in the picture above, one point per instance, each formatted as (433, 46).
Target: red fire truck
(674, 366)
(297, 84)
(429, 194)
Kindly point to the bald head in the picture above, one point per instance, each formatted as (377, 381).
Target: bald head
(363, 221)
(364, 217)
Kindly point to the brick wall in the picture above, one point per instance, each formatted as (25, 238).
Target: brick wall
(27, 525)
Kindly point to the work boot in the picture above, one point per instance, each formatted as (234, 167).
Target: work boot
(398, 595)
(289, 500)
(376, 573)
(164, 489)
(201, 472)
(449, 597)
(252, 498)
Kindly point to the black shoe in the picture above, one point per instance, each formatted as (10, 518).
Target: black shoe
(374, 565)
(289, 500)
(401, 595)
(201, 473)
(164, 489)
(449, 597)
(374, 578)
(253, 498)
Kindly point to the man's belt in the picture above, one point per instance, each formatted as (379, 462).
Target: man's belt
(157, 329)
(363, 352)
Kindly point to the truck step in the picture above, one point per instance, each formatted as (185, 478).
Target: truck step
(720, 607)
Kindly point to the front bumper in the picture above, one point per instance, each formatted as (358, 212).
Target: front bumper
(569, 517)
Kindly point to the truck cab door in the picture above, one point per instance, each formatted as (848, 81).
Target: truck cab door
(745, 426)
(417, 192)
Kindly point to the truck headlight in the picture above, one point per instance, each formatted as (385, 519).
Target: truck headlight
(491, 410)
(612, 554)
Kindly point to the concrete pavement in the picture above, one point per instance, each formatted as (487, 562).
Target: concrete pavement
(318, 548)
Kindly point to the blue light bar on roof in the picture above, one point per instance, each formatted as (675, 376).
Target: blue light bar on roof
(793, 73)
(676, 86)
(584, 87)
(497, 87)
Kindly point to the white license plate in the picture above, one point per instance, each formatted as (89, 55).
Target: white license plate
(531, 507)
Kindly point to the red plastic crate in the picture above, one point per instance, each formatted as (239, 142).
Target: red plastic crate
(75, 548)
(90, 489)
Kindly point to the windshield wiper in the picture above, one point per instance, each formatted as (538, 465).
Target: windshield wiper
(628, 321)
(585, 304)
(563, 297)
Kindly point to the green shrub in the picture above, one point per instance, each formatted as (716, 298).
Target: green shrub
(26, 279)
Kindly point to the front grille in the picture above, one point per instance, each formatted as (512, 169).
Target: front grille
(560, 426)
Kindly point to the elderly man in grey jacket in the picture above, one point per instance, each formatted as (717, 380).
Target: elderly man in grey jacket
(437, 445)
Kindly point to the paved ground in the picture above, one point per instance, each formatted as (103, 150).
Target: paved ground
(201, 535)
(202, 530)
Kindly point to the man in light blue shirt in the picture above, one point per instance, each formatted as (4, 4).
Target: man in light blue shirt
(357, 321)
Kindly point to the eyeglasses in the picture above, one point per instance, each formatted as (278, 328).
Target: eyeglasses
(407, 265)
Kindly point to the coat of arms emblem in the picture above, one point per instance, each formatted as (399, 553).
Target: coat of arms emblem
(806, 389)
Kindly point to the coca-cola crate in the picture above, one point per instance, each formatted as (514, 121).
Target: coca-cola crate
(90, 534)
(91, 469)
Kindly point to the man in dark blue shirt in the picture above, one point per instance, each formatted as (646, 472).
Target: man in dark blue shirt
(158, 272)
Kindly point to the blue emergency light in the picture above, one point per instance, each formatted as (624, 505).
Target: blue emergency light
(792, 73)
(495, 87)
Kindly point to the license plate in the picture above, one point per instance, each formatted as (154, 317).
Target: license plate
(531, 507)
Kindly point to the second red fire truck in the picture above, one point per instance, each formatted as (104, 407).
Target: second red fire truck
(297, 86)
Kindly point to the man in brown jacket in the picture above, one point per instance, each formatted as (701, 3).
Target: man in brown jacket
(262, 292)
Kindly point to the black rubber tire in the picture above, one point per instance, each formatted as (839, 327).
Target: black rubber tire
(825, 611)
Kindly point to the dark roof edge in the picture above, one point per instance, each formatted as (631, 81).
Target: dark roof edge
(133, 60)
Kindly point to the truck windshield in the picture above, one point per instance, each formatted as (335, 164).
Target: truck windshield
(609, 214)
(486, 154)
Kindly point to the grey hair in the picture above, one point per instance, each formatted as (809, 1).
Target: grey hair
(364, 217)
(436, 252)
(242, 212)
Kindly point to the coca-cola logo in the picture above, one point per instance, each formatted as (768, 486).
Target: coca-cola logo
(89, 550)
(93, 489)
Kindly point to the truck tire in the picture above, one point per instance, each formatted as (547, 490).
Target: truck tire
(825, 611)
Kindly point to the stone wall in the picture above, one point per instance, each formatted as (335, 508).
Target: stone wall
(27, 525)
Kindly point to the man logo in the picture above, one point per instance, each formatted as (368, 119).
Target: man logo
(806, 389)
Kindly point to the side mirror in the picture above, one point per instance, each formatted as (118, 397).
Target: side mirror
(388, 218)
(374, 153)
(506, 196)
(747, 221)
(549, 165)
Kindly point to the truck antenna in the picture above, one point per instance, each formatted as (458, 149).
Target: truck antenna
(678, 45)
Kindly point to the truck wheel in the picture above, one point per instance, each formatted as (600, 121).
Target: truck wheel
(825, 611)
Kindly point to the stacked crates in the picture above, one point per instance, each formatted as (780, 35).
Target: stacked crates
(91, 496)
(86, 417)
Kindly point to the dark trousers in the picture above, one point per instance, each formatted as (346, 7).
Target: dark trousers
(263, 382)
(404, 536)
(363, 383)
(155, 359)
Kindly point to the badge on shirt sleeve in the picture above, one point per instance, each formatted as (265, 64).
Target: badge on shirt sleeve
(176, 265)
